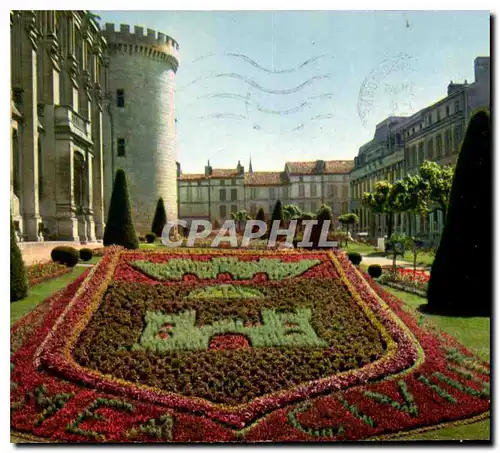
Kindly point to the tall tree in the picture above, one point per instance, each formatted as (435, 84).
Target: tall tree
(461, 280)
(240, 217)
(408, 195)
(379, 202)
(120, 226)
(291, 212)
(160, 218)
(347, 220)
(18, 280)
(436, 181)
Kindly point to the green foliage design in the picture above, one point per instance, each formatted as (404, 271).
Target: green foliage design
(90, 413)
(441, 392)
(176, 268)
(329, 431)
(225, 292)
(484, 393)
(160, 428)
(175, 332)
(48, 404)
(356, 413)
(408, 406)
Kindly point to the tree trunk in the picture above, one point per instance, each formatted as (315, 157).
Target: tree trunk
(390, 224)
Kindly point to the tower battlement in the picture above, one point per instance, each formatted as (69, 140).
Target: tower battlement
(150, 43)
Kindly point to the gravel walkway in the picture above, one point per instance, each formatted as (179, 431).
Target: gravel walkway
(387, 262)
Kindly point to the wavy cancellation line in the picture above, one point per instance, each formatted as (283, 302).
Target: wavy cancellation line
(259, 107)
(255, 85)
(258, 66)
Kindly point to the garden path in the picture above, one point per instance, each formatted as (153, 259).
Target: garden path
(367, 260)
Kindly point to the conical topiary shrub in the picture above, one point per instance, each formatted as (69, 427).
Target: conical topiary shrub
(160, 218)
(324, 214)
(276, 215)
(260, 215)
(18, 280)
(461, 279)
(120, 226)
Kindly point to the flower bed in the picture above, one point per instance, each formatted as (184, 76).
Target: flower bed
(40, 272)
(206, 348)
(406, 279)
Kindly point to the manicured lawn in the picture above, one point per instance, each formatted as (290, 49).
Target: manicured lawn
(423, 259)
(39, 293)
(93, 260)
(364, 249)
(473, 333)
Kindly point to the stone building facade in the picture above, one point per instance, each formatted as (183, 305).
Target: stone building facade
(217, 193)
(56, 125)
(139, 127)
(401, 144)
(85, 102)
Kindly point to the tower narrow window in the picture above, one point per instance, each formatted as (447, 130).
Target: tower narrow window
(120, 147)
(120, 98)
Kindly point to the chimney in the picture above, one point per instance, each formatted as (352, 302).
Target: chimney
(454, 87)
(208, 169)
(482, 69)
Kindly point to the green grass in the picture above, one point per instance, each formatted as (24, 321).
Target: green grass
(360, 248)
(39, 293)
(473, 333)
(423, 259)
(143, 245)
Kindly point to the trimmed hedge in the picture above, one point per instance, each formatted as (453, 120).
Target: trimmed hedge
(120, 226)
(375, 270)
(86, 254)
(150, 238)
(355, 258)
(455, 288)
(18, 280)
(65, 255)
(160, 219)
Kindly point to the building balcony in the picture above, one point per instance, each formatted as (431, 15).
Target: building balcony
(68, 121)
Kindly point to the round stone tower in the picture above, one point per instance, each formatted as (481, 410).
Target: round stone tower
(140, 125)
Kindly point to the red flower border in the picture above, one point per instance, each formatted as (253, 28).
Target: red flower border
(37, 364)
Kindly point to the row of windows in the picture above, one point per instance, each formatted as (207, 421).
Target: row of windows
(436, 147)
(428, 120)
(223, 210)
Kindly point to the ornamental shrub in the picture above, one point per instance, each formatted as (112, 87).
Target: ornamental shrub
(86, 254)
(150, 238)
(260, 215)
(18, 280)
(453, 288)
(375, 270)
(277, 213)
(141, 238)
(65, 255)
(160, 218)
(324, 214)
(120, 226)
(355, 258)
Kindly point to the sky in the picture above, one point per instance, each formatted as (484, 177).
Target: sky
(280, 86)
